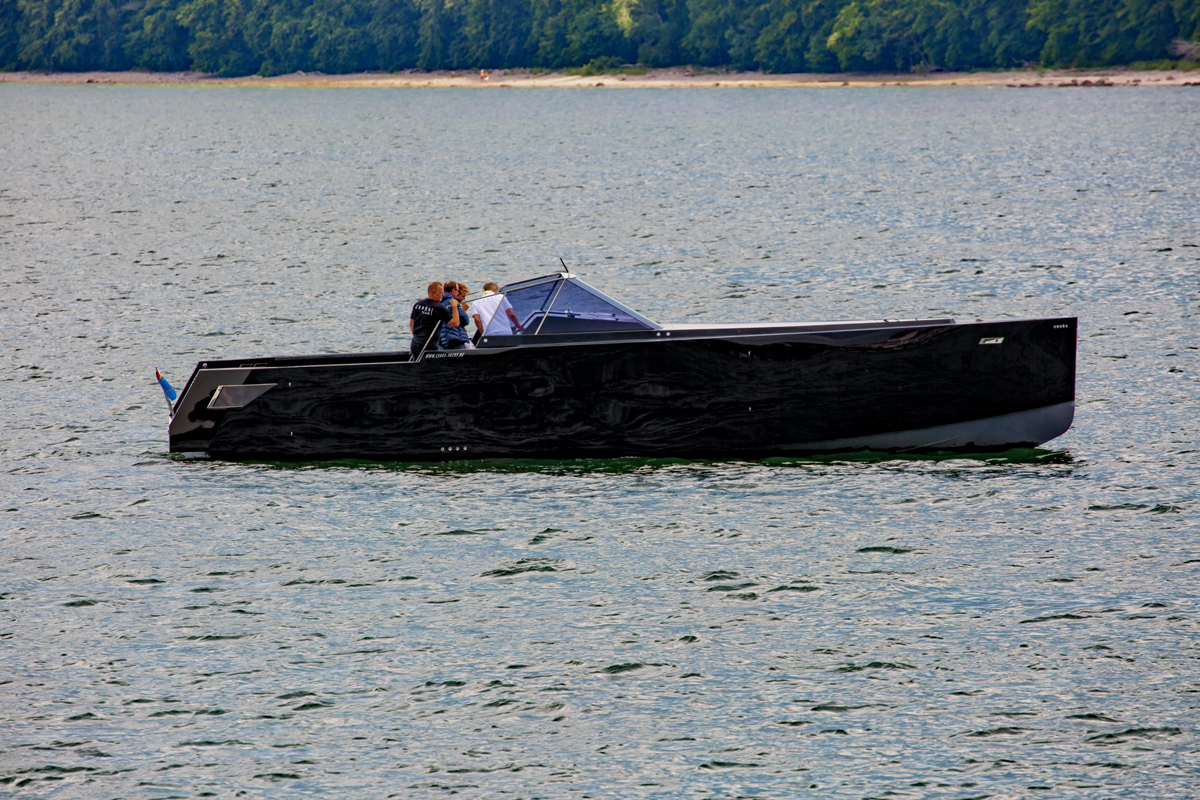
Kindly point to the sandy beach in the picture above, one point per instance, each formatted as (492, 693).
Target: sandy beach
(677, 77)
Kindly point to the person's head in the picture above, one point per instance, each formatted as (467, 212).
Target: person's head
(491, 286)
(461, 291)
(436, 291)
(449, 286)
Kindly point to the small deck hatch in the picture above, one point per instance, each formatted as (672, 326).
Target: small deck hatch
(226, 397)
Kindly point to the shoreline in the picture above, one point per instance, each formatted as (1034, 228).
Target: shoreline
(673, 77)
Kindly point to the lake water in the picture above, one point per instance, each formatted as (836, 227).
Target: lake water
(1018, 626)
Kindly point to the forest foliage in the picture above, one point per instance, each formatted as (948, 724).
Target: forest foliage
(270, 37)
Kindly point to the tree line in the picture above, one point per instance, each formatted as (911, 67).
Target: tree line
(271, 37)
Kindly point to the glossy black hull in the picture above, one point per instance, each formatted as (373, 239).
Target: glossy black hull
(720, 393)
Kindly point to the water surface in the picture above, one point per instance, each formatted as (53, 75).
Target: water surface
(1004, 626)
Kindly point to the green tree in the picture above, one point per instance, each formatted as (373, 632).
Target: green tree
(1103, 32)
(566, 33)
(10, 34)
(1005, 38)
(547, 34)
(1187, 15)
(655, 29)
(217, 44)
(714, 28)
(906, 34)
(1075, 30)
(793, 37)
(280, 33)
(439, 35)
(74, 36)
(155, 40)
(393, 31)
(34, 20)
(819, 18)
(341, 38)
(782, 45)
(592, 32)
(497, 32)
(237, 37)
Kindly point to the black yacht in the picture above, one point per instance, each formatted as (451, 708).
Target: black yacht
(586, 376)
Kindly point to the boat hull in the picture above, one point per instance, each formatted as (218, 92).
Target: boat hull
(719, 393)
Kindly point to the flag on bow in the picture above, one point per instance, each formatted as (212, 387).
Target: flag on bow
(170, 393)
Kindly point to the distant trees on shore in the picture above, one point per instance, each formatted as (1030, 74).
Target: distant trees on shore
(270, 37)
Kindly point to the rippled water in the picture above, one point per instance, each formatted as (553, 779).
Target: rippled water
(1015, 626)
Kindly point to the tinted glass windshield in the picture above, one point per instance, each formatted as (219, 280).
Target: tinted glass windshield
(576, 308)
(574, 299)
(529, 301)
(570, 306)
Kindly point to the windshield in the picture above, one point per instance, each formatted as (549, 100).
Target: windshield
(531, 300)
(568, 305)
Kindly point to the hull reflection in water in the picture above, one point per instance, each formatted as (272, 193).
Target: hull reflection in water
(592, 378)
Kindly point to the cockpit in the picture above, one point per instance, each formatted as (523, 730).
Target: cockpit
(562, 303)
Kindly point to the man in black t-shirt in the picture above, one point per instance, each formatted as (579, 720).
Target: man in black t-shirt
(426, 314)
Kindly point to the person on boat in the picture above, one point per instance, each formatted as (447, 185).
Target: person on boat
(494, 315)
(454, 335)
(427, 314)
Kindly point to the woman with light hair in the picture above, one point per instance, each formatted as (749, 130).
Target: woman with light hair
(456, 337)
